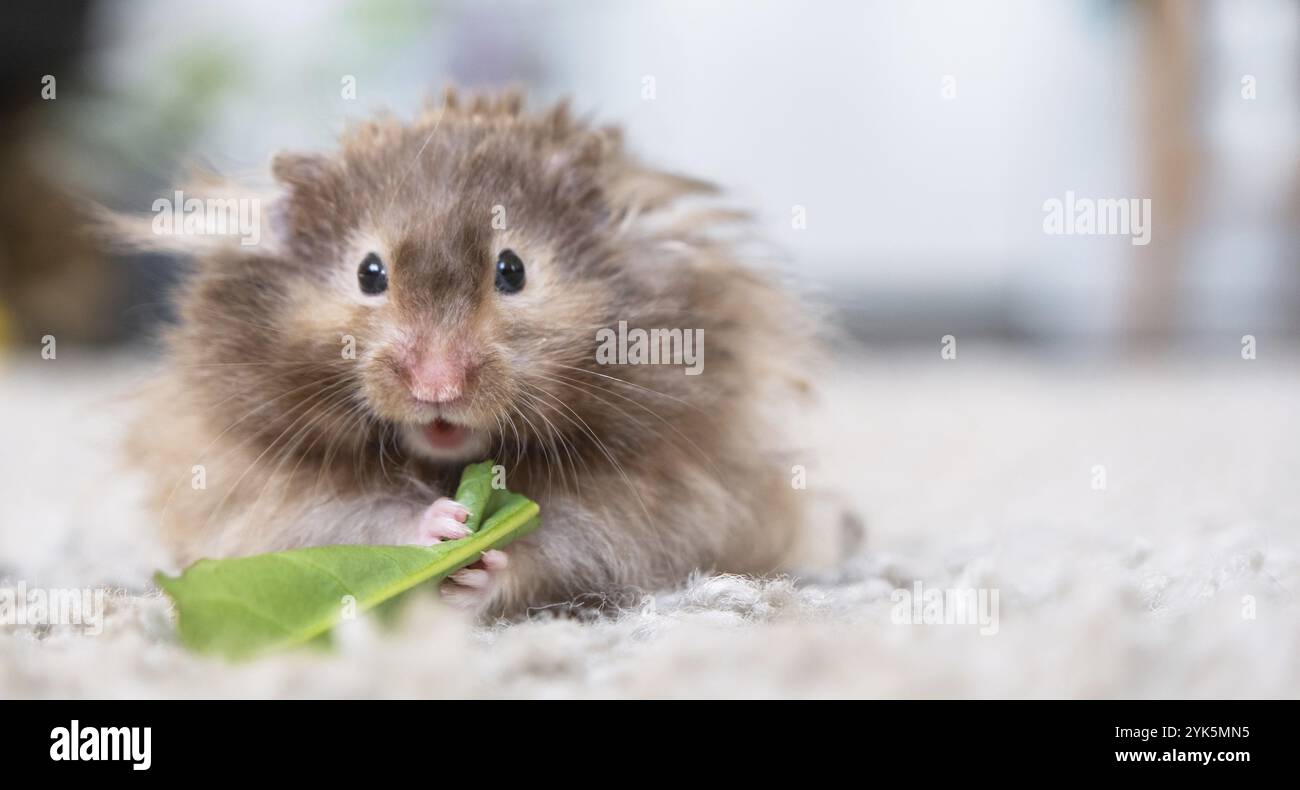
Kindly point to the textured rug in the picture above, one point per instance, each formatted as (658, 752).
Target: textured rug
(1138, 529)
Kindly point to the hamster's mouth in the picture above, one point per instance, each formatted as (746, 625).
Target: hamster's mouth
(446, 435)
(443, 440)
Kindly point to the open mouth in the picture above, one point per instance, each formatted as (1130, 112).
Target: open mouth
(445, 441)
(443, 435)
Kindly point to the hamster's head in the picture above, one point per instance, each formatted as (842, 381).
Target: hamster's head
(436, 290)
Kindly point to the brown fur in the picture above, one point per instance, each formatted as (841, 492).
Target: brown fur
(643, 473)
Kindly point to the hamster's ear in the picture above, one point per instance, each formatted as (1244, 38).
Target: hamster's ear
(666, 204)
(645, 190)
(303, 171)
(309, 197)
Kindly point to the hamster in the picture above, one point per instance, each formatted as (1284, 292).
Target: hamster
(437, 292)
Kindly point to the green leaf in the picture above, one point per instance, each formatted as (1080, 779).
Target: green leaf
(475, 491)
(247, 606)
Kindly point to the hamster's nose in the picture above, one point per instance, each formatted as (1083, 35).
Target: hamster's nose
(436, 377)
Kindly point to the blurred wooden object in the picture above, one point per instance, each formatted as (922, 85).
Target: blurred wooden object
(53, 279)
(1170, 149)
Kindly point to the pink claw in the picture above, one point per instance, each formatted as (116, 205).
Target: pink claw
(443, 520)
(495, 560)
(470, 588)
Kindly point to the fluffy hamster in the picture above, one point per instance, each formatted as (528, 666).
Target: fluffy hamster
(434, 293)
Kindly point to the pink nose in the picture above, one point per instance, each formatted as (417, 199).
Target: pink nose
(437, 378)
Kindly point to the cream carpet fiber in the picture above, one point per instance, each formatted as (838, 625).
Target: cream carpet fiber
(1178, 578)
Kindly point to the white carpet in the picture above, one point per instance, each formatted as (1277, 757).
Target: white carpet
(976, 472)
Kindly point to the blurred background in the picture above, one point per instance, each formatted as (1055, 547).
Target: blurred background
(897, 154)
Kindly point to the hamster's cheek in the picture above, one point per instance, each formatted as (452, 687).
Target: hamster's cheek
(330, 312)
(378, 354)
(322, 319)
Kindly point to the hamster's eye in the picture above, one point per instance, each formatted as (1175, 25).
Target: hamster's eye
(372, 276)
(510, 272)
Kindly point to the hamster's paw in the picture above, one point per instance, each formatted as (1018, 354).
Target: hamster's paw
(443, 520)
(471, 587)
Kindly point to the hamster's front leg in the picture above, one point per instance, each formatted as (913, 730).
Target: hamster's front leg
(471, 587)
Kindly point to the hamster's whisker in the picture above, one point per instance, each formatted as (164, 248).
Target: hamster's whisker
(585, 387)
(371, 430)
(334, 403)
(367, 423)
(622, 413)
(299, 409)
(557, 437)
(559, 442)
(354, 417)
(203, 453)
(641, 387)
(603, 448)
(519, 440)
(383, 449)
(303, 406)
(600, 444)
(545, 448)
(341, 395)
(358, 407)
(502, 445)
(537, 434)
(554, 436)
(327, 400)
(613, 406)
(356, 421)
(381, 445)
(322, 381)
